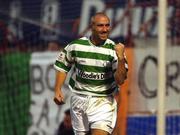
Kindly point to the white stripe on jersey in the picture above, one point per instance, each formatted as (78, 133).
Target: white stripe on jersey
(94, 62)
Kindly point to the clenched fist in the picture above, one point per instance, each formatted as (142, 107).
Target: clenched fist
(119, 48)
(59, 98)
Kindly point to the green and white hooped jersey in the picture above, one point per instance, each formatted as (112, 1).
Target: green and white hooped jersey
(94, 66)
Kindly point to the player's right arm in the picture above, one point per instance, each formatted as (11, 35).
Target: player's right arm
(60, 79)
(63, 65)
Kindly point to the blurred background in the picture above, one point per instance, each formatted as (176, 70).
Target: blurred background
(32, 32)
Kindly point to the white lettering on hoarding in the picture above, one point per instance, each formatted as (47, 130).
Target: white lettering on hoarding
(45, 114)
(141, 17)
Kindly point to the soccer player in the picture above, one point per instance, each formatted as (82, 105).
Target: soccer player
(99, 67)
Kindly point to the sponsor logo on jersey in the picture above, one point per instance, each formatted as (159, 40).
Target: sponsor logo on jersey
(91, 75)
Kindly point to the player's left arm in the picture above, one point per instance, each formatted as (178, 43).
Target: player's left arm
(121, 71)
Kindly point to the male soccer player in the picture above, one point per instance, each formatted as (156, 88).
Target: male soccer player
(99, 67)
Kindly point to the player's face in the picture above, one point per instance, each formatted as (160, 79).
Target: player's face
(101, 28)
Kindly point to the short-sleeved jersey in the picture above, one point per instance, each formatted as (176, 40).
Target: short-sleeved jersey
(93, 66)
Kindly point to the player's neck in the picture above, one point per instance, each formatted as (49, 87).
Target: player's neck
(96, 41)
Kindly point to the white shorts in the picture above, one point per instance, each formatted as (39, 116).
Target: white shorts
(93, 112)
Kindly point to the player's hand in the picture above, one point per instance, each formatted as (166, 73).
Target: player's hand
(59, 98)
(119, 48)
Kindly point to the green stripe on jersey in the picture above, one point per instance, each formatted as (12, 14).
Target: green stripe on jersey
(108, 46)
(71, 82)
(95, 69)
(61, 65)
(92, 55)
(109, 91)
(65, 52)
(80, 42)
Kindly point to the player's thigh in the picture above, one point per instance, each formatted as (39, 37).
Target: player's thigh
(102, 114)
(78, 116)
(98, 132)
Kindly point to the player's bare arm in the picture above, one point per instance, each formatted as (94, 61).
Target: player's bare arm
(60, 78)
(121, 72)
